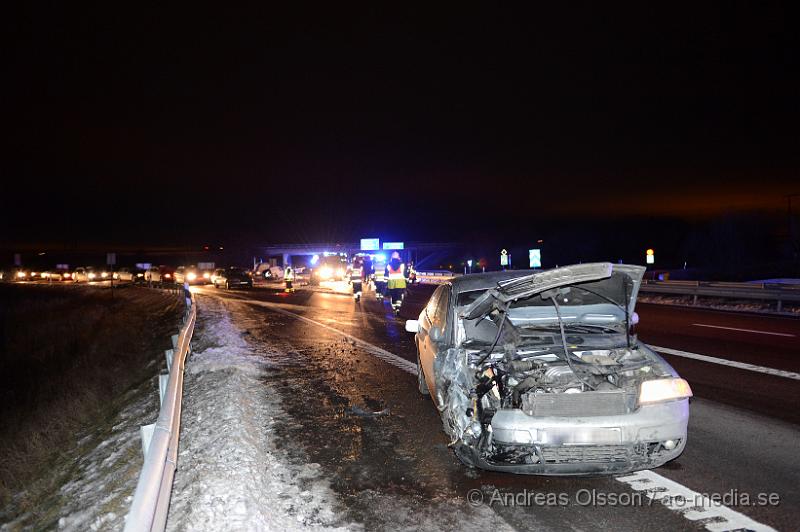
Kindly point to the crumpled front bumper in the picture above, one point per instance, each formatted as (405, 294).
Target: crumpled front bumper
(586, 445)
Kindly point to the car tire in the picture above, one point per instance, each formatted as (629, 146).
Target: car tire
(422, 386)
(465, 454)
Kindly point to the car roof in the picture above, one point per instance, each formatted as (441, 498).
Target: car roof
(484, 281)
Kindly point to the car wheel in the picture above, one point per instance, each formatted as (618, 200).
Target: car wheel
(422, 386)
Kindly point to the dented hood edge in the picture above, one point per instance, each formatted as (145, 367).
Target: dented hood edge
(532, 284)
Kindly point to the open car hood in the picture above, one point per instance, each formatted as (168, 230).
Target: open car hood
(617, 282)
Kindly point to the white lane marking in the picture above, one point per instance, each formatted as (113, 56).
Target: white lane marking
(691, 504)
(386, 356)
(730, 363)
(743, 330)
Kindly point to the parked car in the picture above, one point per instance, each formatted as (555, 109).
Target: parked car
(85, 274)
(152, 275)
(538, 372)
(167, 274)
(232, 278)
(192, 275)
(131, 275)
(56, 275)
(330, 268)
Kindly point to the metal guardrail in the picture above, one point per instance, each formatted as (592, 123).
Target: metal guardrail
(435, 276)
(777, 293)
(160, 441)
(762, 291)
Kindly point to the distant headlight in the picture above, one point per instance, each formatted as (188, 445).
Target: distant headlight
(67, 275)
(206, 275)
(139, 275)
(167, 275)
(191, 276)
(104, 275)
(658, 390)
(92, 275)
(21, 274)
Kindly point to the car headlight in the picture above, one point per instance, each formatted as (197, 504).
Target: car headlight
(167, 275)
(191, 276)
(206, 275)
(326, 272)
(657, 390)
(104, 275)
(92, 276)
(21, 275)
(67, 275)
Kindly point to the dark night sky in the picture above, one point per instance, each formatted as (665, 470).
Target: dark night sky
(154, 126)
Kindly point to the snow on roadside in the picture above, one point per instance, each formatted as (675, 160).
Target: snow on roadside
(231, 475)
(100, 472)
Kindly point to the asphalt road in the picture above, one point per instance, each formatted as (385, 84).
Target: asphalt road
(736, 447)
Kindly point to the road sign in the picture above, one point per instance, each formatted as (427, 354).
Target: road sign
(535, 258)
(504, 258)
(370, 244)
(392, 245)
(111, 259)
(650, 256)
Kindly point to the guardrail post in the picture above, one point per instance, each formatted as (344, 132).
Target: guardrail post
(147, 435)
(169, 354)
(780, 306)
(694, 300)
(163, 381)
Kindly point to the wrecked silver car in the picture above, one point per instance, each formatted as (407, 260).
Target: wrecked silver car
(539, 372)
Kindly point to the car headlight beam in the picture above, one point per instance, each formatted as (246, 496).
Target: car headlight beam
(658, 390)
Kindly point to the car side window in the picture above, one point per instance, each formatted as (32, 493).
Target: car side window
(430, 308)
(439, 317)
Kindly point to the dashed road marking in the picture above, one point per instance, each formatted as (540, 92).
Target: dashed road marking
(692, 505)
(731, 363)
(383, 354)
(754, 331)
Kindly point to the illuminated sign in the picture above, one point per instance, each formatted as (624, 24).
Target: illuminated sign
(535, 258)
(370, 244)
(392, 245)
(650, 256)
(504, 258)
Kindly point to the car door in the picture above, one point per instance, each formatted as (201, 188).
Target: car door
(434, 315)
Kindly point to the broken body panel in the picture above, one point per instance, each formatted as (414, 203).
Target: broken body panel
(539, 373)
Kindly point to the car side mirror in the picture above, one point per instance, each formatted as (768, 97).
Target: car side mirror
(412, 326)
(436, 334)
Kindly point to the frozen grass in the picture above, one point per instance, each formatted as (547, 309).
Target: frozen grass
(68, 356)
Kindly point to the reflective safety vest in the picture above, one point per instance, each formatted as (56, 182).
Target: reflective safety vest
(355, 275)
(288, 274)
(379, 275)
(397, 278)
